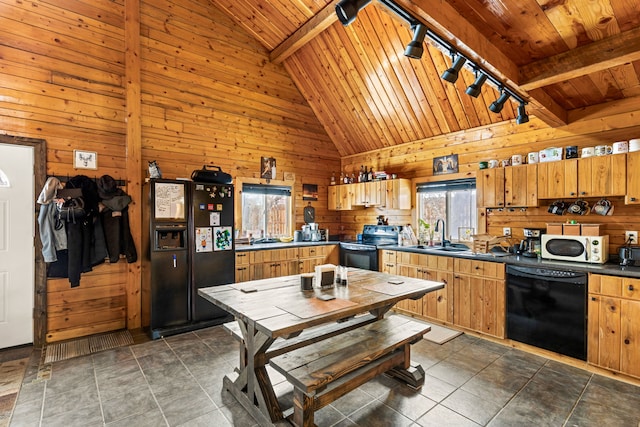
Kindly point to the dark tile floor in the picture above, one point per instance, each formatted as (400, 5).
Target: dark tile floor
(177, 381)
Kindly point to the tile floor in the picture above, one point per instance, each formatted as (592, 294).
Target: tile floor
(177, 381)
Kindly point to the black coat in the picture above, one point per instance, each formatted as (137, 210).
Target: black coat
(117, 232)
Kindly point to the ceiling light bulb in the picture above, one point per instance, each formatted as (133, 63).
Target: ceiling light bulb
(474, 88)
(498, 104)
(415, 48)
(523, 117)
(451, 75)
(347, 10)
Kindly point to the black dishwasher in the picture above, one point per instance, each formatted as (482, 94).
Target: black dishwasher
(546, 308)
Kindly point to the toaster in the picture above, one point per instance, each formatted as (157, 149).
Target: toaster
(629, 255)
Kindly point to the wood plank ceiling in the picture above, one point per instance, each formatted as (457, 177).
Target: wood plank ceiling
(559, 55)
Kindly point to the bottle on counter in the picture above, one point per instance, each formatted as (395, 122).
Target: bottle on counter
(370, 176)
(346, 178)
(333, 178)
(341, 178)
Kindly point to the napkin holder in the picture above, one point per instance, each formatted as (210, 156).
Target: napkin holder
(325, 275)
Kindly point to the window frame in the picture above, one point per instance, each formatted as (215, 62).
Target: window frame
(240, 181)
(480, 219)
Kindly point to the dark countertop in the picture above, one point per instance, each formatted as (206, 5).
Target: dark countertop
(610, 268)
(263, 246)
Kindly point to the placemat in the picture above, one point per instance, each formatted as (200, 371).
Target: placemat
(314, 307)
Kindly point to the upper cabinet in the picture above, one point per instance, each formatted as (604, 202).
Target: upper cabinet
(633, 178)
(600, 176)
(514, 186)
(389, 194)
(340, 197)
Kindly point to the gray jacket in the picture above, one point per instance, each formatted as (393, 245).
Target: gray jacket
(52, 231)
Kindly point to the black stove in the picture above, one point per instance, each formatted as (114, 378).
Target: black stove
(364, 253)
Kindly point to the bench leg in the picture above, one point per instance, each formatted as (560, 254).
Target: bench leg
(303, 409)
(410, 373)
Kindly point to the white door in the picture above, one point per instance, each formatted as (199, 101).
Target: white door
(17, 229)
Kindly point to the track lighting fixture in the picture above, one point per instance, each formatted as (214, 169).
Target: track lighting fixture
(347, 10)
(416, 45)
(474, 88)
(497, 105)
(523, 117)
(451, 75)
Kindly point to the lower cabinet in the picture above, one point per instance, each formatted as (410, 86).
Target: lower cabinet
(479, 299)
(613, 331)
(268, 263)
(434, 305)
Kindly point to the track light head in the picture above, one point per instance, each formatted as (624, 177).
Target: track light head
(347, 10)
(415, 48)
(474, 88)
(451, 75)
(497, 105)
(523, 117)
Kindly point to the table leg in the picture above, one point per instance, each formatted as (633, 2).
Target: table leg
(252, 387)
(411, 373)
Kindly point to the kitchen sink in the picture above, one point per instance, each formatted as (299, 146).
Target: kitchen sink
(450, 249)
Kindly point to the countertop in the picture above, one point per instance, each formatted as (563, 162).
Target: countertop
(280, 245)
(611, 268)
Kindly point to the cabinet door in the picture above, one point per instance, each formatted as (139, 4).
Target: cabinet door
(395, 194)
(492, 188)
(437, 304)
(558, 179)
(493, 307)
(462, 301)
(602, 176)
(339, 197)
(242, 258)
(242, 273)
(633, 178)
(521, 185)
(609, 333)
(630, 337)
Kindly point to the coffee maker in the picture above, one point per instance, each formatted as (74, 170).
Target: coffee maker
(531, 245)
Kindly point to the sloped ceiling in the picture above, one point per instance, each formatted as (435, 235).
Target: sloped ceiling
(559, 55)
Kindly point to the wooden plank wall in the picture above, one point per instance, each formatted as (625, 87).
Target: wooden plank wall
(592, 126)
(209, 96)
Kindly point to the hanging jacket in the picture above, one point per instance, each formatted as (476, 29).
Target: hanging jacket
(52, 231)
(115, 220)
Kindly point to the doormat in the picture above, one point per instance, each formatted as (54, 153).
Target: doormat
(440, 334)
(85, 346)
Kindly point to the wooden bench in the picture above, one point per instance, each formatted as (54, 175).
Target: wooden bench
(326, 370)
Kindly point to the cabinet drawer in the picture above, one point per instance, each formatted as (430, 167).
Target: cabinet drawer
(242, 258)
(615, 286)
(479, 268)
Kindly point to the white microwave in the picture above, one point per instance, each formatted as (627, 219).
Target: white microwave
(592, 249)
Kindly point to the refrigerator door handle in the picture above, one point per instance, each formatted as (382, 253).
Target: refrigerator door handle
(175, 261)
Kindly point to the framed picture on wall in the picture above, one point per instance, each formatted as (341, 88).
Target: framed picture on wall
(85, 159)
(445, 164)
(267, 168)
(310, 192)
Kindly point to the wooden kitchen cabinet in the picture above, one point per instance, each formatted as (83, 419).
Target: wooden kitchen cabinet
(602, 176)
(613, 323)
(367, 193)
(268, 263)
(242, 267)
(436, 304)
(557, 180)
(387, 261)
(389, 194)
(513, 186)
(479, 299)
(395, 194)
(340, 197)
(633, 179)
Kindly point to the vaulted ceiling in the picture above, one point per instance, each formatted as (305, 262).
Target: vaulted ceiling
(559, 55)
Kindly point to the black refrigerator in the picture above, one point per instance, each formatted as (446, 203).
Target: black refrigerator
(212, 251)
(191, 246)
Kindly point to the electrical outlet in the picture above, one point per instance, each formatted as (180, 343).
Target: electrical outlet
(506, 231)
(631, 237)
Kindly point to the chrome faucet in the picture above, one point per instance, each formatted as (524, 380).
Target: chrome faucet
(444, 241)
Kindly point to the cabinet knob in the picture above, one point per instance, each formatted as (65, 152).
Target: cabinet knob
(630, 288)
(583, 193)
(445, 281)
(439, 298)
(572, 194)
(633, 199)
(477, 267)
(626, 341)
(594, 299)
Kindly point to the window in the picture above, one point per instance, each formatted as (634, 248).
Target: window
(452, 201)
(266, 210)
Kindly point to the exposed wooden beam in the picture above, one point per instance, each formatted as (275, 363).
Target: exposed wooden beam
(602, 54)
(314, 26)
(453, 27)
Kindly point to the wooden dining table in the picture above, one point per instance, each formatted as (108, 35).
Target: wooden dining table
(275, 316)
